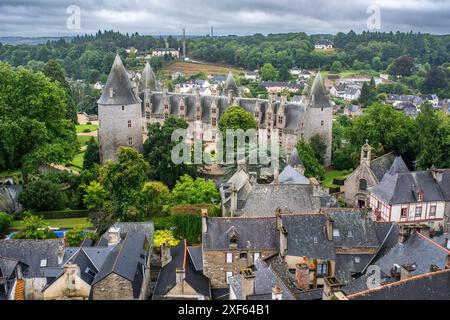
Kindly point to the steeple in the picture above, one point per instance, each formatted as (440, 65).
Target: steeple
(148, 79)
(230, 85)
(317, 95)
(118, 89)
(366, 151)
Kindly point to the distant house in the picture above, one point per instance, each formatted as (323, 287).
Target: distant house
(99, 86)
(331, 80)
(177, 74)
(338, 91)
(161, 52)
(353, 111)
(252, 75)
(279, 87)
(295, 71)
(352, 93)
(181, 275)
(323, 44)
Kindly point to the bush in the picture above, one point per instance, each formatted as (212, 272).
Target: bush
(76, 236)
(87, 130)
(163, 223)
(339, 181)
(42, 195)
(188, 226)
(164, 236)
(63, 214)
(5, 221)
(89, 123)
(34, 229)
(335, 189)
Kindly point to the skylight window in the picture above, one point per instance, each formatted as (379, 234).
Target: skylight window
(336, 232)
(43, 263)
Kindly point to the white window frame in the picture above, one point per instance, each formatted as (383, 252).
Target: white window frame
(256, 255)
(228, 274)
(229, 257)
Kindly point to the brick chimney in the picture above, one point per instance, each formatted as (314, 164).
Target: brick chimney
(331, 287)
(302, 276)
(113, 236)
(204, 220)
(329, 228)
(166, 256)
(248, 283)
(277, 293)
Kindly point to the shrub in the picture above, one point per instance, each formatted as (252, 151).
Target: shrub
(89, 123)
(76, 236)
(87, 130)
(163, 223)
(63, 214)
(188, 226)
(42, 195)
(164, 236)
(5, 221)
(35, 228)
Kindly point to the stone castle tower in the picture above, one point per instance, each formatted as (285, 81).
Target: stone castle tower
(119, 114)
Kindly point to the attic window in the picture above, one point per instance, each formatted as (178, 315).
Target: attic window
(315, 239)
(90, 272)
(43, 263)
(350, 234)
(233, 239)
(357, 259)
(111, 92)
(123, 108)
(243, 255)
(336, 232)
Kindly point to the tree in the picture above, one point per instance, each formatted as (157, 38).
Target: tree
(158, 152)
(5, 221)
(319, 147)
(33, 130)
(34, 228)
(42, 195)
(312, 166)
(198, 191)
(436, 80)
(368, 93)
(153, 197)
(433, 138)
(402, 66)
(235, 118)
(92, 154)
(336, 67)
(377, 64)
(269, 73)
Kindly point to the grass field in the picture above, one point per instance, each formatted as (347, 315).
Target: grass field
(351, 73)
(330, 175)
(82, 127)
(78, 160)
(83, 140)
(82, 223)
(191, 68)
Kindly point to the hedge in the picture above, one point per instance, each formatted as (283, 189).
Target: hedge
(335, 189)
(63, 214)
(339, 181)
(188, 226)
(213, 210)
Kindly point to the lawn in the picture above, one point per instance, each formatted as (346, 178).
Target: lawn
(330, 175)
(78, 160)
(71, 223)
(82, 127)
(191, 68)
(83, 140)
(351, 73)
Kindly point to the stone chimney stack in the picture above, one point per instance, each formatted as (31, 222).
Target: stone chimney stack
(276, 175)
(302, 276)
(278, 218)
(277, 293)
(233, 201)
(253, 179)
(179, 278)
(204, 220)
(72, 273)
(166, 256)
(316, 186)
(230, 97)
(329, 228)
(113, 236)
(331, 287)
(248, 283)
(283, 241)
(404, 234)
(406, 271)
(60, 254)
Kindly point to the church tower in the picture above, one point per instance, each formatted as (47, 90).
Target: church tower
(119, 114)
(366, 155)
(319, 114)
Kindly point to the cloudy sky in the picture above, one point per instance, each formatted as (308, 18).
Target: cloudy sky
(156, 17)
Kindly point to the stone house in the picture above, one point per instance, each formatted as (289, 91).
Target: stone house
(368, 174)
(181, 275)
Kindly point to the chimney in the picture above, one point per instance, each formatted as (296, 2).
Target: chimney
(437, 175)
(60, 254)
(252, 179)
(283, 241)
(113, 236)
(166, 256)
(331, 287)
(233, 202)
(406, 271)
(329, 228)
(316, 186)
(204, 220)
(179, 278)
(276, 175)
(230, 97)
(404, 234)
(248, 283)
(279, 222)
(72, 274)
(277, 293)
(302, 276)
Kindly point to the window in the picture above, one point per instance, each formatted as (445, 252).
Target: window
(214, 122)
(336, 232)
(357, 259)
(233, 239)
(228, 275)
(322, 270)
(166, 115)
(362, 184)
(130, 141)
(214, 111)
(418, 212)
(90, 272)
(229, 257)
(322, 123)
(257, 115)
(129, 123)
(147, 105)
(148, 115)
(403, 212)
(243, 255)
(315, 239)
(280, 119)
(350, 234)
(123, 108)
(321, 109)
(433, 211)
(256, 256)
(43, 263)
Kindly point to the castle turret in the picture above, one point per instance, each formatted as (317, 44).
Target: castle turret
(119, 114)
(148, 79)
(230, 87)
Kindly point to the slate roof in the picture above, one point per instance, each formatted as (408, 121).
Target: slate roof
(144, 228)
(381, 165)
(292, 176)
(195, 253)
(398, 166)
(148, 79)
(318, 94)
(404, 188)
(7, 266)
(429, 286)
(120, 83)
(444, 184)
(294, 158)
(167, 276)
(230, 84)
(31, 252)
(252, 233)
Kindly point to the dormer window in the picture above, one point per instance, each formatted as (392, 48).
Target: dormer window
(336, 232)
(43, 263)
(130, 141)
(111, 92)
(420, 196)
(233, 240)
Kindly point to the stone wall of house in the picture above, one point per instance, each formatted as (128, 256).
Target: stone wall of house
(215, 264)
(113, 287)
(114, 131)
(320, 121)
(351, 186)
(33, 288)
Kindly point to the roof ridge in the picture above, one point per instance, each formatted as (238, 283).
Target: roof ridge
(420, 276)
(118, 253)
(244, 217)
(436, 244)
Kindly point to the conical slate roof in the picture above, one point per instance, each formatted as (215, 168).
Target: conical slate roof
(318, 94)
(398, 166)
(118, 89)
(230, 83)
(148, 79)
(294, 158)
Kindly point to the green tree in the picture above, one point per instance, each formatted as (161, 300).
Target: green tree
(312, 166)
(336, 67)
(158, 152)
(34, 228)
(377, 64)
(368, 93)
(269, 72)
(92, 154)
(5, 221)
(43, 195)
(153, 197)
(402, 66)
(198, 191)
(235, 118)
(436, 81)
(319, 147)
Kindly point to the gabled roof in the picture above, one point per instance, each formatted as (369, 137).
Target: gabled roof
(120, 85)
(292, 176)
(181, 259)
(381, 165)
(294, 158)
(230, 84)
(7, 266)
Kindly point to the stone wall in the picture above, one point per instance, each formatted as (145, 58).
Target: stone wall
(113, 287)
(351, 185)
(315, 118)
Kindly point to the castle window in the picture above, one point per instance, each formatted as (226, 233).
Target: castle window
(123, 108)
(280, 119)
(148, 115)
(147, 105)
(243, 255)
(229, 257)
(166, 115)
(130, 141)
(322, 123)
(213, 122)
(129, 123)
(257, 114)
(214, 111)
(362, 184)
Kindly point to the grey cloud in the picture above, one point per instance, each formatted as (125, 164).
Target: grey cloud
(48, 17)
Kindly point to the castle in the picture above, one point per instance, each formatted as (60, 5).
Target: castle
(126, 108)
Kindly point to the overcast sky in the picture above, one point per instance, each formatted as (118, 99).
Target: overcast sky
(156, 17)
